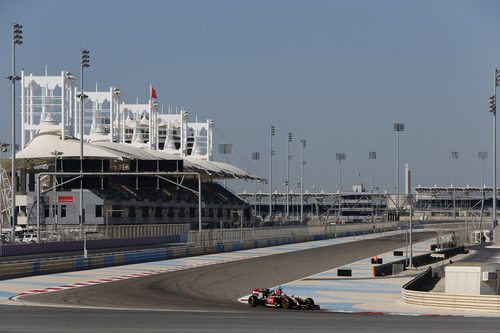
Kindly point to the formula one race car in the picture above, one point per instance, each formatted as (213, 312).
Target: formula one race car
(277, 299)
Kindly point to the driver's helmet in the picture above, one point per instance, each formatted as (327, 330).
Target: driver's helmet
(278, 292)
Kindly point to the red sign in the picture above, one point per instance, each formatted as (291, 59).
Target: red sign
(66, 199)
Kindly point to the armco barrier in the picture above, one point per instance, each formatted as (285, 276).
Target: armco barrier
(412, 295)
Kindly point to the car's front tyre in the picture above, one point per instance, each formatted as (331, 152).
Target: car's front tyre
(252, 301)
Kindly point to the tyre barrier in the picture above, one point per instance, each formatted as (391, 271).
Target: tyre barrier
(344, 272)
(376, 261)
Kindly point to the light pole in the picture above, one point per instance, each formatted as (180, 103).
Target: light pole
(271, 153)
(340, 157)
(56, 154)
(255, 157)
(482, 155)
(84, 64)
(225, 149)
(398, 127)
(303, 146)
(287, 183)
(16, 40)
(454, 157)
(372, 156)
(411, 232)
(493, 109)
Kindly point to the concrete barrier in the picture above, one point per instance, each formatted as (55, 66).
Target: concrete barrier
(421, 260)
(412, 295)
(77, 245)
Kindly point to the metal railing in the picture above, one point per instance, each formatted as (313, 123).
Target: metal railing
(212, 237)
(69, 233)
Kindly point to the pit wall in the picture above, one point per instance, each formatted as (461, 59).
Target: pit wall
(48, 266)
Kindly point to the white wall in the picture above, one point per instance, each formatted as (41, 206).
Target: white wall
(468, 280)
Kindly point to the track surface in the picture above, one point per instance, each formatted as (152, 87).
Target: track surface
(62, 320)
(217, 287)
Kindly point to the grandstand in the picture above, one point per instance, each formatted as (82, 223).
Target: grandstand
(140, 165)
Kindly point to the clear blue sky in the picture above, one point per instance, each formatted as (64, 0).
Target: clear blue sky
(337, 73)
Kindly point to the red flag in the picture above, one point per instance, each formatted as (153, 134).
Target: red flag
(153, 93)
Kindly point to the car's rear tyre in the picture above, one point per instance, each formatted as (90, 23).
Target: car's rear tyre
(285, 303)
(252, 301)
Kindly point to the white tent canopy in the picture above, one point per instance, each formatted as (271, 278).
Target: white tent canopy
(41, 148)
(44, 144)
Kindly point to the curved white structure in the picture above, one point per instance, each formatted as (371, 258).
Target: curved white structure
(50, 114)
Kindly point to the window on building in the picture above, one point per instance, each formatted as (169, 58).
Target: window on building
(117, 211)
(98, 210)
(158, 212)
(63, 210)
(145, 212)
(131, 211)
(46, 210)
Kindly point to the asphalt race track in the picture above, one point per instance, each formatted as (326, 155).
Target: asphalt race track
(205, 300)
(217, 287)
(16, 319)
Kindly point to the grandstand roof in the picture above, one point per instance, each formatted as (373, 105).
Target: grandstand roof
(450, 189)
(39, 150)
(41, 147)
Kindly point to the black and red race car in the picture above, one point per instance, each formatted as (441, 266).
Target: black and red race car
(277, 299)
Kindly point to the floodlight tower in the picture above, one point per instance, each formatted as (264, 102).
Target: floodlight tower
(398, 127)
(287, 182)
(85, 60)
(493, 109)
(303, 146)
(340, 157)
(271, 153)
(482, 155)
(372, 156)
(255, 157)
(454, 157)
(17, 39)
